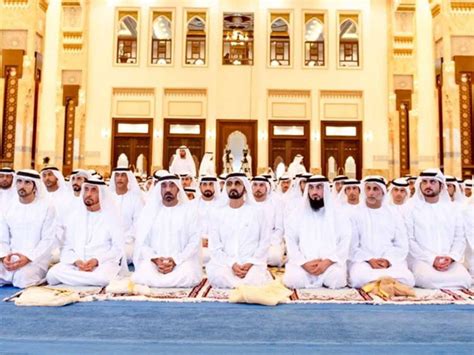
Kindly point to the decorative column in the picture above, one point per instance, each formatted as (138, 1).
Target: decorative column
(70, 101)
(12, 70)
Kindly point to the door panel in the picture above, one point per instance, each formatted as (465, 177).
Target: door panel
(284, 147)
(341, 153)
(195, 141)
(132, 145)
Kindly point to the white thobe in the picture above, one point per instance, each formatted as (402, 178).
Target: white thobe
(314, 235)
(27, 229)
(183, 166)
(379, 233)
(92, 235)
(204, 214)
(238, 235)
(468, 215)
(6, 197)
(173, 234)
(273, 210)
(130, 206)
(436, 230)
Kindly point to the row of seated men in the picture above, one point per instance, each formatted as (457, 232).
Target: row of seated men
(353, 234)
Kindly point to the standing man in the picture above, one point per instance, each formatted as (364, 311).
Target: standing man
(183, 162)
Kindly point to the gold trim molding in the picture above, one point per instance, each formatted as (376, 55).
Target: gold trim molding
(133, 91)
(185, 92)
(341, 94)
(289, 93)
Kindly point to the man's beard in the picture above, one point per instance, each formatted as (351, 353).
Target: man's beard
(5, 187)
(429, 193)
(76, 188)
(208, 193)
(316, 204)
(234, 194)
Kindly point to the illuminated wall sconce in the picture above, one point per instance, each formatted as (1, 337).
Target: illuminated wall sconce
(26, 61)
(369, 136)
(157, 133)
(82, 97)
(210, 134)
(105, 133)
(316, 136)
(263, 135)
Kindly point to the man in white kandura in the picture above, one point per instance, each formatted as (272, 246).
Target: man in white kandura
(296, 167)
(27, 233)
(7, 189)
(167, 249)
(130, 200)
(204, 204)
(238, 238)
(380, 239)
(271, 206)
(183, 162)
(468, 214)
(349, 195)
(93, 248)
(77, 178)
(399, 194)
(454, 191)
(317, 240)
(436, 235)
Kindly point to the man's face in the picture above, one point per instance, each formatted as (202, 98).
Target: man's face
(91, 195)
(235, 188)
(430, 187)
(169, 191)
(77, 181)
(121, 179)
(25, 188)
(338, 186)
(49, 179)
(302, 185)
(411, 187)
(285, 185)
(316, 191)
(207, 189)
(182, 153)
(259, 189)
(468, 191)
(451, 190)
(398, 195)
(6, 181)
(352, 193)
(374, 194)
(186, 181)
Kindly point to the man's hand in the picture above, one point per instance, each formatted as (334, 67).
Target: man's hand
(15, 261)
(379, 263)
(442, 263)
(86, 266)
(165, 265)
(322, 266)
(205, 242)
(311, 266)
(241, 270)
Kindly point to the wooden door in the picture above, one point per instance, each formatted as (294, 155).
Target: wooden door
(341, 151)
(188, 132)
(287, 139)
(227, 127)
(133, 137)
